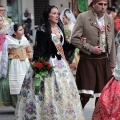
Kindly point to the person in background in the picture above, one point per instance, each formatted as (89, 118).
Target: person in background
(117, 21)
(25, 32)
(58, 97)
(27, 19)
(5, 98)
(93, 34)
(114, 11)
(19, 52)
(3, 13)
(110, 12)
(69, 20)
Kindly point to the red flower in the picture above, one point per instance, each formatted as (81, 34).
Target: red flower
(39, 64)
(39, 67)
(48, 66)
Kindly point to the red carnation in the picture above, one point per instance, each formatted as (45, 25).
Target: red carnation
(39, 64)
(48, 66)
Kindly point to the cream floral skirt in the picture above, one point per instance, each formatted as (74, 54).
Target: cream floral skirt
(58, 98)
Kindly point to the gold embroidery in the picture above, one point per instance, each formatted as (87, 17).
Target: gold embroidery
(16, 56)
(58, 44)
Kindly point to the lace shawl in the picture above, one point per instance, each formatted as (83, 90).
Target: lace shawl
(4, 56)
(15, 43)
(4, 61)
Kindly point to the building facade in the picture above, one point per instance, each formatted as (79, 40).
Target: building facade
(16, 8)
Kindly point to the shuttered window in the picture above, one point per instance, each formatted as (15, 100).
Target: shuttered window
(39, 6)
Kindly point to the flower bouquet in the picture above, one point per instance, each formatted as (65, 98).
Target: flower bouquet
(41, 68)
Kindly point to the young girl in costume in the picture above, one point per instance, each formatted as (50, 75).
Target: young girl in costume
(19, 52)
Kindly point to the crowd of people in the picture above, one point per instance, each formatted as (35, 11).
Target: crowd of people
(82, 53)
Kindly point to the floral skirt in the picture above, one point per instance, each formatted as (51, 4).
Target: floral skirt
(108, 105)
(58, 97)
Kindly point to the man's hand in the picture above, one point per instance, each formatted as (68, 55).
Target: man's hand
(96, 50)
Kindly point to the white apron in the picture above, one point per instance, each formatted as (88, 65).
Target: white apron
(18, 68)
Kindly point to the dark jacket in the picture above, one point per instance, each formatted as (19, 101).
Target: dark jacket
(45, 48)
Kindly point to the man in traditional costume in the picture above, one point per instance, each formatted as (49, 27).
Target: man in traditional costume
(93, 34)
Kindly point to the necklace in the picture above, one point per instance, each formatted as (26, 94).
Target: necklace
(56, 32)
(19, 42)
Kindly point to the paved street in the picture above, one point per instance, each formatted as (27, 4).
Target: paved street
(8, 113)
(89, 109)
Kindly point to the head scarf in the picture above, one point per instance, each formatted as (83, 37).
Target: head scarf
(94, 1)
(69, 15)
